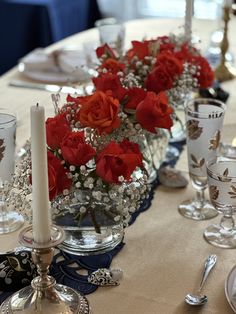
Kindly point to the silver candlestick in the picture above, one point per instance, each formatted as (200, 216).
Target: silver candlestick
(44, 295)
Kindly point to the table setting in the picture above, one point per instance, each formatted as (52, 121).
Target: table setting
(100, 211)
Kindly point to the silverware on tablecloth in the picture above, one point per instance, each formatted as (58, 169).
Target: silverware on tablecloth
(52, 88)
(200, 299)
(106, 277)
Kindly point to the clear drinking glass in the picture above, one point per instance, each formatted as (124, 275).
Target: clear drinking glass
(204, 120)
(221, 174)
(9, 220)
(111, 32)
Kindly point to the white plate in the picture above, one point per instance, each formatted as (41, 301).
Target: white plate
(229, 288)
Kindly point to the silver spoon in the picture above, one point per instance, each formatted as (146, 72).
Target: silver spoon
(202, 299)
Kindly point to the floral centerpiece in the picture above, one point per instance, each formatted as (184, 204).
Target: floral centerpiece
(167, 68)
(96, 179)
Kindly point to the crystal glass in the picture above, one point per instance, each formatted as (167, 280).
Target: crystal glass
(111, 32)
(9, 220)
(94, 218)
(204, 120)
(221, 174)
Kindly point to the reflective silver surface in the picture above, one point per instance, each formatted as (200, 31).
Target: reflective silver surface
(44, 295)
(200, 299)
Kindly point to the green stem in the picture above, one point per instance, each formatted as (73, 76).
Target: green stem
(95, 223)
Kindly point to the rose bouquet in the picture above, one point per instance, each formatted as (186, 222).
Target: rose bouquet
(164, 70)
(95, 179)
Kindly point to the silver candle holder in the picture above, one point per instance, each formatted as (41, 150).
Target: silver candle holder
(44, 295)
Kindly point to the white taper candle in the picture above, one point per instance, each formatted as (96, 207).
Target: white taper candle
(40, 204)
(188, 19)
(227, 3)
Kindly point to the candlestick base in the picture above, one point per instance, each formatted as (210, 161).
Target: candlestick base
(44, 295)
(225, 72)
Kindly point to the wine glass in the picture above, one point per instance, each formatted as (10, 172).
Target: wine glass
(9, 219)
(221, 174)
(204, 120)
(111, 32)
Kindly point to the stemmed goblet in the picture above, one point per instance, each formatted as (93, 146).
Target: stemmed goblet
(221, 174)
(204, 120)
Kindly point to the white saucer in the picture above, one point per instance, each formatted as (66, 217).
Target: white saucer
(229, 288)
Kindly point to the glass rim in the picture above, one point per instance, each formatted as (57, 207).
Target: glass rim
(106, 21)
(202, 101)
(11, 114)
(221, 159)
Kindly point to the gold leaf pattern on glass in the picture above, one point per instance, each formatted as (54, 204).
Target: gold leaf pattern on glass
(197, 163)
(214, 192)
(2, 149)
(193, 130)
(15, 264)
(224, 176)
(215, 141)
(233, 192)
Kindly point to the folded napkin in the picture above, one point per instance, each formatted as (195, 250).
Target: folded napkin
(64, 64)
(39, 60)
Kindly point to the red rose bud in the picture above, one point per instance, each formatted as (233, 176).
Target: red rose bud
(57, 177)
(105, 50)
(56, 129)
(113, 66)
(75, 150)
(154, 112)
(135, 96)
(110, 82)
(118, 160)
(206, 75)
(139, 49)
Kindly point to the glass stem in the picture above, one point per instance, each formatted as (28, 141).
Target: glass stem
(227, 221)
(200, 197)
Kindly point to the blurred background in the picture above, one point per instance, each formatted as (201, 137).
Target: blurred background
(27, 24)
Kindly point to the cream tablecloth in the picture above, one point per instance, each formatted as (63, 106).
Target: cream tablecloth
(164, 252)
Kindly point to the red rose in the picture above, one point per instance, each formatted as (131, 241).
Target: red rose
(57, 177)
(110, 82)
(100, 112)
(105, 50)
(75, 150)
(134, 96)
(113, 66)
(56, 129)
(75, 100)
(166, 70)
(185, 53)
(205, 76)
(139, 49)
(117, 160)
(154, 112)
(165, 43)
(174, 67)
(159, 79)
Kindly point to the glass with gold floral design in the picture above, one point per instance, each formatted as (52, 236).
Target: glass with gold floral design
(10, 220)
(204, 120)
(221, 174)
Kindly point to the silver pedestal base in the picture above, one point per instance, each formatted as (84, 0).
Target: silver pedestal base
(58, 299)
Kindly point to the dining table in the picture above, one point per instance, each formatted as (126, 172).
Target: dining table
(164, 253)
